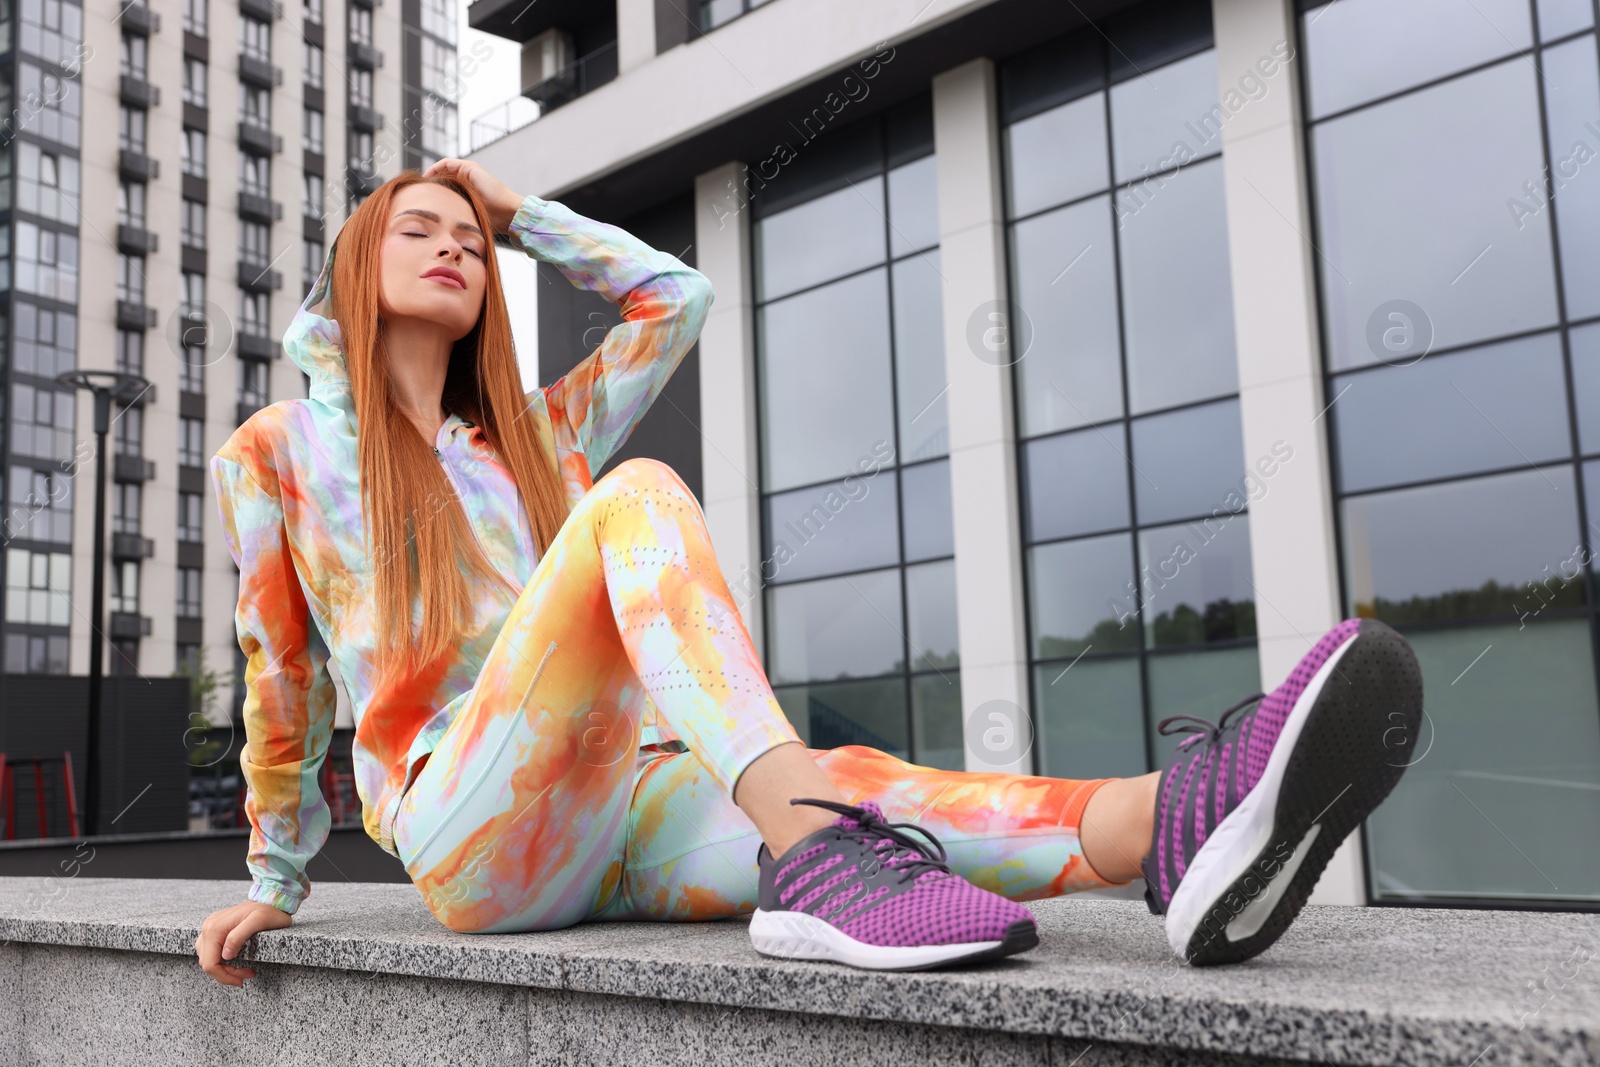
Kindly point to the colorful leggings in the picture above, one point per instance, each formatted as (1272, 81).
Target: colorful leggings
(538, 809)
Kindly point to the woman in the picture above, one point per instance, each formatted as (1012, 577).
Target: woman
(560, 715)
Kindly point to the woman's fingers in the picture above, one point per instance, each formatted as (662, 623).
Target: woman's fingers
(496, 195)
(223, 936)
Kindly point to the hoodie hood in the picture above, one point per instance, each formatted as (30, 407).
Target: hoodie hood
(313, 342)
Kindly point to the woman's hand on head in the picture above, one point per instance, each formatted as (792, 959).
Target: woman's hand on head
(224, 933)
(497, 197)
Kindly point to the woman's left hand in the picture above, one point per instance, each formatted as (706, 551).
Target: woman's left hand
(497, 197)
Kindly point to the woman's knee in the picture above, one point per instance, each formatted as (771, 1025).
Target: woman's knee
(642, 473)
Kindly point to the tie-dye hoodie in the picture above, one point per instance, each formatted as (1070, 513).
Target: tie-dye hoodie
(287, 493)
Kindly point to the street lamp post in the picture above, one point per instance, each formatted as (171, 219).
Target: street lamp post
(106, 385)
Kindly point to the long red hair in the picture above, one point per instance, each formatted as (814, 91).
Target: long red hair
(410, 510)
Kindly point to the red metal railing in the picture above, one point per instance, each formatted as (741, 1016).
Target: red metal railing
(8, 791)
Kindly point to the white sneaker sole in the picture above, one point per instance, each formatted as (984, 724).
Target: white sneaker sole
(798, 936)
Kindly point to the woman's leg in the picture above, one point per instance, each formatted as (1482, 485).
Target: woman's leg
(691, 853)
(517, 819)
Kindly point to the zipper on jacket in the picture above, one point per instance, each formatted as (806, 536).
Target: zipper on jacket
(472, 525)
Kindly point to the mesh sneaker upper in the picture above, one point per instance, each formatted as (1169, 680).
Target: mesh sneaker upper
(1213, 771)
(882, 886)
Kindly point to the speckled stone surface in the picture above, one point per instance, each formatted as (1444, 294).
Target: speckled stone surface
(1344, 985)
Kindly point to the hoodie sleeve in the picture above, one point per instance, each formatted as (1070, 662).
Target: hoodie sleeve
(664, 304)
(289, 698)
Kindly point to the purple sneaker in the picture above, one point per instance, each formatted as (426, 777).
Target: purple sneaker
(1251, 810)
(861, 891)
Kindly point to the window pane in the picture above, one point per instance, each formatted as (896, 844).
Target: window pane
(1080, 597)
(1397, 232)
(1494, 767)
(1462, 549)
(1572, 106)
(913, 206)
(852, 713)
(820, 239)
(931, 616)
(929, 531)
(1177, 296)
(1197, 585)
(919, 355)
(1557, 18)
(1365, 49)
(840, 526)
(1066, 300)
(1165, 117)
(1075, 483)
(836, 628)
(1188, 463)
(1089, 719)
(1056, 156)
(1585, 342)
(825, 381)
(1500, 406)
(1198, 683)
(936, 721)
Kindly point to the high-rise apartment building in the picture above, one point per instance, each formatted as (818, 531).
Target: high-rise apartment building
(171, 173)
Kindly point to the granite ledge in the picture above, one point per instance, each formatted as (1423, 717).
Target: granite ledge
(1344, 985)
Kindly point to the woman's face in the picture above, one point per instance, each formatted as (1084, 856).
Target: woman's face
(433, 267)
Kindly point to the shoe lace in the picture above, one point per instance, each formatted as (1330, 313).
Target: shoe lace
(908, 855)
(1204, 727)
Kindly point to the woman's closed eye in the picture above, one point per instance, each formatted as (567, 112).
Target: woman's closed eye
(472, 251)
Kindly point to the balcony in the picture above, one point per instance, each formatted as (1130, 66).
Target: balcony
(135, 316)
(125, 468)
(265, 10)
(136, 241)
(258, 71)
(258, 277)
(126, 624)
(364, 55)
(516, 20)
(136, 395)
(259, 208)
(572, 81)
(137, 166)
(140, 20)
(136, 92)
(365, 118)
(128, 546)
(360, 183)
(244, 409)
(259, 139)
(258, 346)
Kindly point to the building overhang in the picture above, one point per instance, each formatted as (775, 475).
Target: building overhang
(738, 92)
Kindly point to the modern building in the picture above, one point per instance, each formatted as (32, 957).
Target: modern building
(170, 173)
(1077, 365)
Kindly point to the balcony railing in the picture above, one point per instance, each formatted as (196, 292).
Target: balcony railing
(582, 76)
(259, 138)
(127, 624)
(126, 468)
(259, 208)
(139, 19)
(137, 92)
(258, 71)
(258, 276)
(135, 316)
(137, 165)
(125, 546)
(136, 240)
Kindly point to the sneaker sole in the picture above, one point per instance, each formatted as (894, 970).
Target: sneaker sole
(797, 936)
(1335, 761)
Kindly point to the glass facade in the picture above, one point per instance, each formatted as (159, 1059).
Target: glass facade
(857, 542)
(1460, 301)
(1134, 493)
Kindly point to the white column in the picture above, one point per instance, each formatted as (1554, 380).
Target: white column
(983, 474)
(636, 33)
(1294, 564)
(730, 480)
